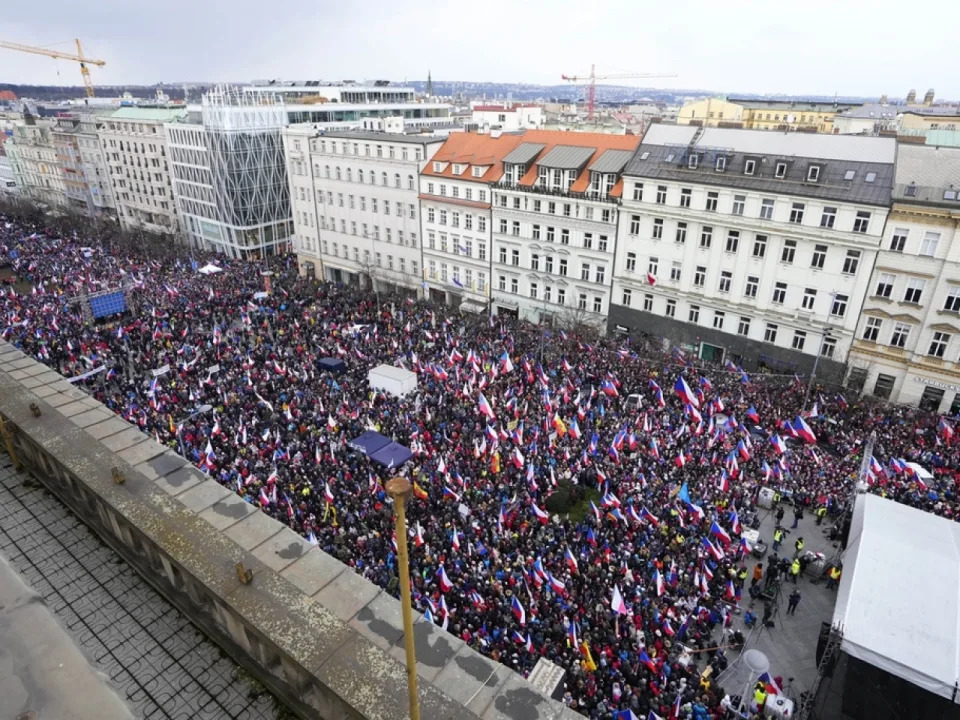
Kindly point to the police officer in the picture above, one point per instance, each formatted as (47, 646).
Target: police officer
(799, 546)
(833, 577)
(795, 570)
(778, 535)
(821, 513)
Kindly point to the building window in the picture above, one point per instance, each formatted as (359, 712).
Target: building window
(694, 315)
(938, 345)
(829, 217)
(739, 202)
(952, 302)
(631, 262)
(718, 317)
(588, 241)
(685, 196)
(548, 264)
(809, 298)
(585, 271)
(561, 296)
(602, 243)
(535, 262)
(819, 256)
(634, 224)
(627, 296)
(760, 246)
(681, 233)
(753, 284)
(779, 293)
(914, 291)
(928, 246)
(693, 161)
(799, 339)
(597, 304)
(582, 301)
(901, 332)
(872, 329)
(503, 256)
(770, 333)
(648, 302)
(700, 276)
(657, 229)
(562, 267)
(898, 240)
(675, 271)
(721, 164)
(780, 171)
(661, 194)
(599, 275)
(638, 191)
(712, 199)
(671, 309)
(861, 222)
(789, 251)
(515, 228)
(515, 258)
(743, 327)
(766, 208)
(533, 290)
(726, 278)
(564, 236)
(706, 237)
(796, 213)
(813, 173)
(733, 241)
(749, 167)
(851, 262)
(839, 308)
(885, 284)
(828, 347)
(653, 265)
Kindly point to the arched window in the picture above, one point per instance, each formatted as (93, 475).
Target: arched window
(328, 171)
(338, 172)
(359, 175)
(349, 175)
(396, 180)
(410, 185)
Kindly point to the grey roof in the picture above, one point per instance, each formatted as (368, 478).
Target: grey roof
(567, 157)
(416, 138)
(523, 153)
(612, 161)
(808, 105)
(667, 149)
(930, 171)
(933, 110)
(873, 110)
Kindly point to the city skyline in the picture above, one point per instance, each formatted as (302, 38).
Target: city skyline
(742, 51)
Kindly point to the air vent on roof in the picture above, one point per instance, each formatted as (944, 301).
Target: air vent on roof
(849, 174)
(911, 190)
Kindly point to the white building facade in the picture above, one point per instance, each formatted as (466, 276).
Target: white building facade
(355, 203)
(555, 220)
(907, 347)
(134, 146)
(86, 178)
(509, 117)
(33, 161)
(752, 246)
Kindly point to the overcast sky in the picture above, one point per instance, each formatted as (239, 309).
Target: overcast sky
(818, 47)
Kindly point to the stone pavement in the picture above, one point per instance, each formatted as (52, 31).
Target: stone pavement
(791, 645)
(159, 664)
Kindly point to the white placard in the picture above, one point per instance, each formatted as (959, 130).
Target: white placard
(161, 371)
(546, 676)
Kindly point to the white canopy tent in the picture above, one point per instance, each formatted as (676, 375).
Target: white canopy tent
(210, 269)
(899, 599)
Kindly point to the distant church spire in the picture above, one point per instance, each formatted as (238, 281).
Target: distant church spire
(429, 90)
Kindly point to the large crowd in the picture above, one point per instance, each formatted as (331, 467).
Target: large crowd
(649, 558)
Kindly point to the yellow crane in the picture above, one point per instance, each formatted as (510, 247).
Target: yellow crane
(84, 61)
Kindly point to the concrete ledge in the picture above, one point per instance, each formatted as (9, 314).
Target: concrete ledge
(324, 639)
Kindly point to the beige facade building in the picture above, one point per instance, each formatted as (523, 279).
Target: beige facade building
(712, 112)
(33, 161)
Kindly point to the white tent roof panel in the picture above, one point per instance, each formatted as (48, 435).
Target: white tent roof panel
(899, 597)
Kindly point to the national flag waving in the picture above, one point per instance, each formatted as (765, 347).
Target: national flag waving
(616, 602)
(718, 531)
(518, 611)
(445, 584)
(484, 407)
(685, 393)
(803, 430)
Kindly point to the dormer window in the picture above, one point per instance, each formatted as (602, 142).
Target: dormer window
(542, 177)
(781, 170)
(721, 165)
(813, 173)
(749, 167)
(479, 170)
(693, 161)
(458, 169)
(911, 191)
(438, 167)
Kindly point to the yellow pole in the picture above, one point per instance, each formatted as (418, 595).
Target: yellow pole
(399, 489)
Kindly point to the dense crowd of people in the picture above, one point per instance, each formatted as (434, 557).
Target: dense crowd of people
(506, 431)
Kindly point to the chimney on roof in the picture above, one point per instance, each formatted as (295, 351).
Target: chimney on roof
(883, 99)
(912, 97)
(928, 98)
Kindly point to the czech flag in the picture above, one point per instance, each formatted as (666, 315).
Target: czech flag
(714, 551)
(558, 587)
(685, 393)
(658, 583)
(484, 407)
(651, 279)
(744, 452)
(445, 584)
(753, 415)
(571, 560)
(803, 430)
(327, 493)
(575, 430)
(609, 389)
(649, 516)
(945, 429)
(735, 522)
(616, 602)
(779, 445)
(719, 532)
(519, 612)
(542, 515)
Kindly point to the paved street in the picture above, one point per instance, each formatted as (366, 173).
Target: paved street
(144, 650)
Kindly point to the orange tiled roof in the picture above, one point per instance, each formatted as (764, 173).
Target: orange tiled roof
(474, 149)
(601, 141)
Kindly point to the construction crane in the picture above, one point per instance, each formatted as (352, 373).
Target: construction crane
(593, 77)
(84, 61)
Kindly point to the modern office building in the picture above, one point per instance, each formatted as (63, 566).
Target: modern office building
(907, 347)
(355, 202)
(456, 188)
(748, 245)
(134, 144)
(555, 217)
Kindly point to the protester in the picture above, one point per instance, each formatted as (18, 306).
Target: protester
(504, 428)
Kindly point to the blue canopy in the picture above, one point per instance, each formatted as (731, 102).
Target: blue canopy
(334, 365)
(392, 455)
(369, 442)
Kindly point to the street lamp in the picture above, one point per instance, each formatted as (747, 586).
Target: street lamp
(813, 373)
(199, 411)
(399, 489)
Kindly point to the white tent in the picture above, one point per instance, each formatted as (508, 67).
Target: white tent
(899, 599)
(210, 269)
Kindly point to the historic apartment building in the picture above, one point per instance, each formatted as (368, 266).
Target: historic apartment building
(750, 245)
(355, 202)
(554, 222)
(907, 347)
(456, 190)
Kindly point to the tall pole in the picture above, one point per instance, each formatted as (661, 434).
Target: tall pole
(813, 373)
(399, 489)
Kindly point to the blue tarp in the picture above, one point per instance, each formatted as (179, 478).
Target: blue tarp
(369, 442)
(108, 304)
(334, 365)
(392, 455)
